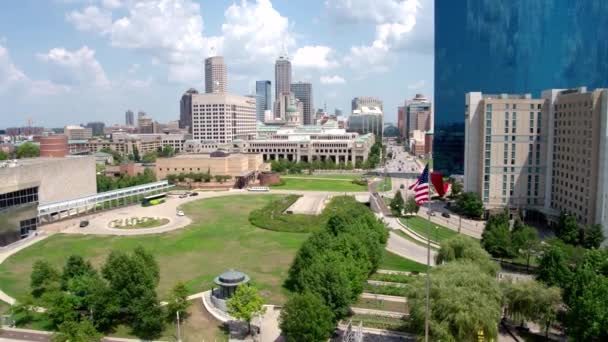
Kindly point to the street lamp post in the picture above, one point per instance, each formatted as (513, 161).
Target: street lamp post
(179, 337)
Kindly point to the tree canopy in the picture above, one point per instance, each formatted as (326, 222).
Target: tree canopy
(464, 248)
(397, 204)
(27, 150)
(305, 317)
(469, 204)
(245, 304)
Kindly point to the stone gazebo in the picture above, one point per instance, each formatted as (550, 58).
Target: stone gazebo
(227, 282)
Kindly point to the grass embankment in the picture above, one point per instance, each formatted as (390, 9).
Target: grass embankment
(272, 216)
(378, 304)
(393, 278)
(391, 261)
(388, 290)
(320, 183)
(219, 238)
(380, 322)
(438, 233)
(386, 184)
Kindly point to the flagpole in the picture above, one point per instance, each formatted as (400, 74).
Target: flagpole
(428, 268)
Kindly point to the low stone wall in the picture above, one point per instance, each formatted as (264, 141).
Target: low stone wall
(269, 178)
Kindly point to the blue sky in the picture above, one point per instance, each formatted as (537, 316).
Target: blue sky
(73, 61)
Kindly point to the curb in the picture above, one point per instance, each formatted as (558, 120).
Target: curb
(416, 236)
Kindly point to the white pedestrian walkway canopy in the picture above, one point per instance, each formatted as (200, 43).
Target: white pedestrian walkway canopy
(54, 211)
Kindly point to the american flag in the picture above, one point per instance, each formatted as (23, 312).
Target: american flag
(421, 187)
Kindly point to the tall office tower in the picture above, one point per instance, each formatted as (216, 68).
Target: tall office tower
(145, 124)
(215, 75)
(303, 92)
(401, 121)
(223, 118)
(418, 115)
(129, 118)
(338, 112)
(96, 127)
(185, 109)
(282, 76)
(367, 101)
(263, 94)
(505, 154)
(501, 46)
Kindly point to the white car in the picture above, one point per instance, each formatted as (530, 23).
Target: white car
(180, 213)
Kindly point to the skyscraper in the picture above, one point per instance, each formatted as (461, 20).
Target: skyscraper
(303, 92)
(500, 46)
(367, 101)
(401, 120)
(185, 109)
(129, 118)
(282, 76)
(215, 75)
(263, 95)
(418, 114)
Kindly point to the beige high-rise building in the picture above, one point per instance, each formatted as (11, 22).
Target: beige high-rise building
(549, 154)
(282, 76)
(505, 149)
(215, 75)
(223, 117)
(77, 132)
(578, 154)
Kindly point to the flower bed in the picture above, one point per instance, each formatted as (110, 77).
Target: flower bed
(138, 222)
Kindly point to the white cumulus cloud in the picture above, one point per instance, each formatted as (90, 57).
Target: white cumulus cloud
(335, 79)
(91, 18)
(79, 67)
(13, 78)
(315, 57)
(416, 85)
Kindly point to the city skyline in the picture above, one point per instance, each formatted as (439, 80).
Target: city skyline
(97, 58)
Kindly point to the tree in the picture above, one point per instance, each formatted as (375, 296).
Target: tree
(587, 299)
(470, 205)
(567, 229)
(115, 155)
(594, 236)
(178, 302)
(463, 300)
(456, 187)
(27, 150)
(397, 204)
(60, 306)
(43, 277)
(553, 267)
(167, 151)
(75, 266)
(149, 157)
(464, 248)
(411, 207)
(496, 237)
(3, 155)
(146, 314)
(245, 303)
(71, 331)
(525, 241)
(306, 318)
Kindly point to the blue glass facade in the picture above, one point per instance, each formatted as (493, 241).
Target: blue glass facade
(263, 99)
(511, 46)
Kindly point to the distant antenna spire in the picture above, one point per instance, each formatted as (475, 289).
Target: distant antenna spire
(284, 49)
(212, 51)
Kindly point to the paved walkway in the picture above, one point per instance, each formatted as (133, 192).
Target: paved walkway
(367, 295)
(384, 313)
(405, 248)
(414, 235)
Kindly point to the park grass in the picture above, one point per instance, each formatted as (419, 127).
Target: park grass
(411, 239)
(393, 278)
(384, 185)
(423, 227)
(220, 238)
(272, 216)
(319, 185)
(389, 290)
(349, 177)
(380, 304)
(394, 262)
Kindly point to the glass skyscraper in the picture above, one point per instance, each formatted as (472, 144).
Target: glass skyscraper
(263, 98)
(510, 46)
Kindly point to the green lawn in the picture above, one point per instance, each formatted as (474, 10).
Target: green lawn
(271, 216)
(407, 237)
(328, 176)
(391, 261)
(384, 185)
(421, 226)
(319, 185)
(221, 238)
(379, 304)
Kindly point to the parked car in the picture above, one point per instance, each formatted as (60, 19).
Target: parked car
(446, 215)
(193, 194)
(180, 213)
(432, 213)
(84, 223)
(183, 196)
(402, 186)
